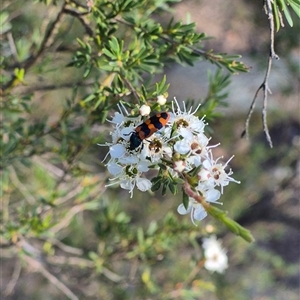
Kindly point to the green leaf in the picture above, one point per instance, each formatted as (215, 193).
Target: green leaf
(173, 188)
(276, 16)
(153, 226)
(89, 98)
(109, 54)
(156, 183)
(5, 25)
(164, 189)
(295, 6)
(287, 14)
(185, 199)
(161, 87)
(19, 73)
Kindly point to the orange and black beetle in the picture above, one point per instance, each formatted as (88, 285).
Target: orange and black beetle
(146, 129)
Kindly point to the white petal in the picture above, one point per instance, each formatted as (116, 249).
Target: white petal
(182, 147)
(143, 166)
(203, 175)
(114, 168)
(195, 160)
(199, 213)
(216, 259)
(212, 195)
(143, 184)
(203, 186)
(210, 243)
(182, 210)
(116, 151)
(186, 133)
(127, 185)
(203, 139)
(197, 125)
(129, 160)
(118, 118)
(167, 150)
(206, 164)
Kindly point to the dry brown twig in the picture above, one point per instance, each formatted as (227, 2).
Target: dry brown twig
(265, 84)
(36, 262)
(47, 42)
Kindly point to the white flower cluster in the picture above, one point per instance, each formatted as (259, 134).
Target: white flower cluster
(216, 259)
(186, 148)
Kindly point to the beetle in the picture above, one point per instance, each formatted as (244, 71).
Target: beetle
(147, 128)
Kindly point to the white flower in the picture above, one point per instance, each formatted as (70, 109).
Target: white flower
(186, 121)
(203, 175)
(156, 147)
(179, 166)
(194, 145)
(217, 171)
(143, 184)
(195, 208)
(145, 110)
(216, 259)
(180, 145)
(206, 182)
(161, 100)
(129, 176)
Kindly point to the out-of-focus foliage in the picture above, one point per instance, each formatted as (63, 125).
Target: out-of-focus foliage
(65, 65)
(284, 7)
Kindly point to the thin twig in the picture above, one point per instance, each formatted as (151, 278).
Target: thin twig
(14, 278)
(51, 87)
(19, 185)
(74, 191)
(133, 270)
(36, 260)
(48, 40)
(251, 109)
(132, 89)
(52, 170)
(71, 261)
(67, 218)
(54, 280)
(78, 15)
(82, 262)
(64, 247)
(265, 84)
(79, 5)
(193, 274)
(264, 110)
